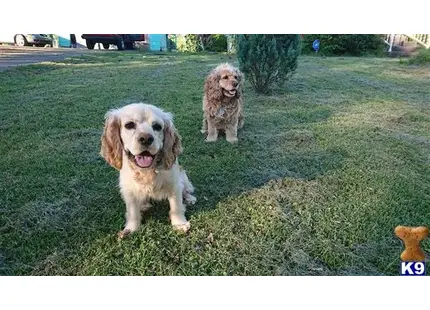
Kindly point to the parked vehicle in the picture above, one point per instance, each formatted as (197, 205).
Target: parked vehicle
(32, 39)
(122, 41)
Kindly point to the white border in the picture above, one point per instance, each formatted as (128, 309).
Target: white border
(220, 16)
(213, 292)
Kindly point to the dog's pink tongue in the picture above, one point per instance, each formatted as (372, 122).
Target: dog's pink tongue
(143, 161)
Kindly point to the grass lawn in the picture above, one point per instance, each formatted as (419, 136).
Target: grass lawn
(324, 170)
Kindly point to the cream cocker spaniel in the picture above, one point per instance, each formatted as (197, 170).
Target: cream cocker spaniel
(223, 103)
(141, 141)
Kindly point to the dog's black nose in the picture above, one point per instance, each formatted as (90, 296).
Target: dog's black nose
(146, 139)
(235, 83)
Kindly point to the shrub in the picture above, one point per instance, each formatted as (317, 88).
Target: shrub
(422, 57)
(202, 42)
(187, 43)
(180, 42)
(267, 58)
(171, 42)
(345, 44)
(218, 44)
(191, 43)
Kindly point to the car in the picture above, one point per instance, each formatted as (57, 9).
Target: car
(122, 41)
(32, 39)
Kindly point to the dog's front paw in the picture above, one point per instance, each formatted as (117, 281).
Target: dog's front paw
(232, 140)
(179, 222)
(123, 233)
(211, 138)
(182, 227)
(130, 227)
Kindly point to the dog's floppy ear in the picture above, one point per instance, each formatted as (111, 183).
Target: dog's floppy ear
(213, 90)
(172, 146)
(111, 145)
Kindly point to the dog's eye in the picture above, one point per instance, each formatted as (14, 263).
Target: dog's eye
(225, 77)
(130, 125)
(235, 77)
(156, 127)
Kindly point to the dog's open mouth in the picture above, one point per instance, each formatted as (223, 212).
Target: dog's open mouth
(230, 93)
(144, 159)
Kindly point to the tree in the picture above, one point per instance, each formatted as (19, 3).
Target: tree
(231, 43)
(267, 59)
(204, 41)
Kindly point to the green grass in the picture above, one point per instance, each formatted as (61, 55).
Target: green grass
(421, 58)
(324, 170)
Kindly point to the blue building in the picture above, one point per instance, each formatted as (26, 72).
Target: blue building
(157, 42)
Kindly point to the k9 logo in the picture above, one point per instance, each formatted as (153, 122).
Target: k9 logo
(413, 269)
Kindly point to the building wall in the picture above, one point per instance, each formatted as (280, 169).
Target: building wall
(64, 40)
(157, 42)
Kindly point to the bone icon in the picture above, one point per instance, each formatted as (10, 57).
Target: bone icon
(411, 237)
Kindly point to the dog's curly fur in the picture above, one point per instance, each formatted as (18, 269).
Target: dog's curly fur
(141, 142)
(223, 103)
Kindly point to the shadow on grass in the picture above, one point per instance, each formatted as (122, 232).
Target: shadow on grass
(275, 144)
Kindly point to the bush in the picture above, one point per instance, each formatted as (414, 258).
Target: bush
(345, 44)
(192, 43)
(218, 44)
(171, 42)
(267, 59)
(423, 57)
(181, 43)
(202, 42)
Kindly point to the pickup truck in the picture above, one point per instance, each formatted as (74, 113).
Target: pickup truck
(122, 41)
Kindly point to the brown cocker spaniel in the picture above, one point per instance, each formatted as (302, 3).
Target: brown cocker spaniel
(223, 103)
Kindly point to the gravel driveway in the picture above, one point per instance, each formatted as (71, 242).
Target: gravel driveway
(11, 56)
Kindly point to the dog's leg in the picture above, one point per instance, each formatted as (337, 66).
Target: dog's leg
(133, 217)
(241, 118)
(177, 212)
(205, 125)
(240, 121)
(145, 206)
(189, 199)
(212, 132)
(231, 133)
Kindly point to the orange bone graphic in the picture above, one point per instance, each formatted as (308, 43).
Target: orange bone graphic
(411, 237)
